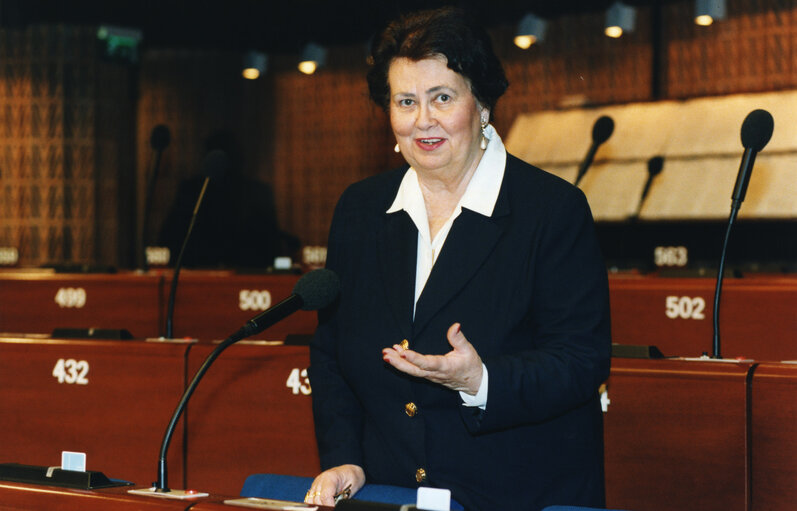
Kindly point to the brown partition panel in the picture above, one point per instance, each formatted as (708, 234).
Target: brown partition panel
(213, 305)
(676, 435)
(41, 302)
(250, 414)
(758, 315)
(109, 399)
(774, 437)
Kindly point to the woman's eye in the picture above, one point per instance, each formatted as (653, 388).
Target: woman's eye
(405, 102)
(444, 98)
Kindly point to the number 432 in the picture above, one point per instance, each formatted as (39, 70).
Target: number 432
(71, 371)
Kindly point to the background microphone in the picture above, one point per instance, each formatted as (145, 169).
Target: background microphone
(601, 132)
(160, 137)
(756, 131)
(314, 290)
(215, 164)
(159, 140)
(655, 165)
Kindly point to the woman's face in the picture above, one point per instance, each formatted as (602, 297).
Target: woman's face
(435, 117)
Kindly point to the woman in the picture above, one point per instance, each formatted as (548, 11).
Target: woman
(472, 329)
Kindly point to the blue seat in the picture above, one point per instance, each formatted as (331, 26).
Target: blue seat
(293, 488)
(576, 508)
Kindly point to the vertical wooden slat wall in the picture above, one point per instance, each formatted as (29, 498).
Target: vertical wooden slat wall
(64, 133)
(330, 136)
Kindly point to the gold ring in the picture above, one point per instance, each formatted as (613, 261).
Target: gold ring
(405, 344)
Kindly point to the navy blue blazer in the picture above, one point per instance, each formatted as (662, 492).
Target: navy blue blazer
(529, 287)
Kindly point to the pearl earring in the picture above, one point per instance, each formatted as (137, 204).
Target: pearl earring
(484, 140)
(397, 148)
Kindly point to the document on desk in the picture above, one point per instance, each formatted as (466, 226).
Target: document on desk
(270, 504)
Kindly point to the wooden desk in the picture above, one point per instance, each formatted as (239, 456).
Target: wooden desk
(40, 302)
(112, 401)
(758, 315)
(212, 306)
(26, 497)
(244, 418)
(676, 435)
(679, 434)
(774, 437)
(208, 305)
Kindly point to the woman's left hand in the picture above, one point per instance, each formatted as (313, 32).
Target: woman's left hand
(460, 369)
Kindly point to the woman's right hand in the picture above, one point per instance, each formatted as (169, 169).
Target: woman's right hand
(333, 481)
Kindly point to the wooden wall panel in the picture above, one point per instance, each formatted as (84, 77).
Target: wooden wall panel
(752, 50)
(52, 95)
(331, 135)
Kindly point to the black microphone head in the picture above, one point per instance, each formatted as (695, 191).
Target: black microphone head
(160, 138)
(655, 165)
(215, 164)
(757, 129)
(317, 289)
(602, 129)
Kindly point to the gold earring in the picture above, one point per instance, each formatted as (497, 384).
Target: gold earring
(397, 148)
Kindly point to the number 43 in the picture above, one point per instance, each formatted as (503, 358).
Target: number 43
(299, 382)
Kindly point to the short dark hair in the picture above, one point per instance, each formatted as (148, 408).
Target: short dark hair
(447, 32)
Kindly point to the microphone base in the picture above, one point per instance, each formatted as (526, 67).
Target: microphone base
(706, 358)
(53, 476)
(171, 494)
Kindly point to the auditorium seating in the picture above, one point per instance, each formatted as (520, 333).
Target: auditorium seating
(720, 435)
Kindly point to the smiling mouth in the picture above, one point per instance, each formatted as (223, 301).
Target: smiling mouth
(429, 143)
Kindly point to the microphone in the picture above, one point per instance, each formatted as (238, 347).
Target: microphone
(601, 132)
(160, 137)
(655, 164)
(308, 294)
(215, 164)
(314, 290)
(756, 131)
(159, 140)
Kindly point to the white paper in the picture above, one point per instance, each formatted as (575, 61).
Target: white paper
(75, 461)
(434, 499)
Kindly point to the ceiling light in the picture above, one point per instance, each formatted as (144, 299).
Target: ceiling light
(706, 11)
(313, 57)
(619, 18)
(254, 65)
(530, 30)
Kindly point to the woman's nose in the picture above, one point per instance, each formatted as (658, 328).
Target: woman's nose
(426, 118)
